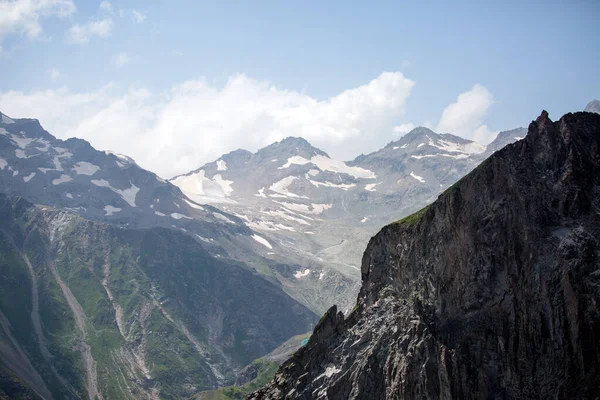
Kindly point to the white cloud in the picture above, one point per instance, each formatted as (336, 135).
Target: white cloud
(138, 16)
(81, 34)
(402, 129)
(120, 60)
(23, 16)
(54, 74)
(196, 122)
(107, 7)
(465, 116)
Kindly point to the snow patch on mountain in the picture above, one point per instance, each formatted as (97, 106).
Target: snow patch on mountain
(20, 153)
(221, 165)
(225, 185)
(129, 195)
(262, 241)
(417, 177)
(62, 179)
(282, 185)
(262, 225)
(327, 164)
(110, 210)
(198, 187)
(451, 147)
(223, 218)
(286, 214)
(306, 208)
(6, 120)
(179, 216)
(123, 158)
(455, 156)
(371, 187)
(85, 168)
(22, 142)
(193, 205)
(294, 160)
(301, 274)
(343, 186)
(29, 177)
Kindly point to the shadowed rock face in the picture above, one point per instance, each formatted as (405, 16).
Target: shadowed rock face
(492, 292)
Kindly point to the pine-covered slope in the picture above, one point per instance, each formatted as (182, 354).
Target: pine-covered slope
(490, 292)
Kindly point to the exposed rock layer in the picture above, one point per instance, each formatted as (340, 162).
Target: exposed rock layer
(492, 292)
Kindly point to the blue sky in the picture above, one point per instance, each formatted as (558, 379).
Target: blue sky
(132, 63)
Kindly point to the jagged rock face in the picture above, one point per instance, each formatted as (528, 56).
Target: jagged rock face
(92, 310)
(491, 292)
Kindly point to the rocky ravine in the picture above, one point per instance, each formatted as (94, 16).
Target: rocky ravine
(491, 292)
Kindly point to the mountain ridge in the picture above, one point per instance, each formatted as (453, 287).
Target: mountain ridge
(321, 211)
(489, 291)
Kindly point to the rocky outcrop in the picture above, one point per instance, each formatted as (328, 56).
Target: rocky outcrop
(491, 292)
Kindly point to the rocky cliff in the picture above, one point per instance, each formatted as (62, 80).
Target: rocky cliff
(491, 292)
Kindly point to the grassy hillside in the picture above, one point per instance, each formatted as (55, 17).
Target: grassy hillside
(89, 310)
(266, 371)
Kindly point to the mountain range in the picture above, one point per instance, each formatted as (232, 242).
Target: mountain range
(116, 283)
(321, 212)
(491, 291)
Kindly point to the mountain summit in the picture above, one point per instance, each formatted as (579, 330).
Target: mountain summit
(490, 292)
(321, 212)
(593, 106)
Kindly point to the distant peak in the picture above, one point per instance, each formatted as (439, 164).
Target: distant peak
(593, 106)
(421, 130)
(416, 133)
(238, 153)
(294, 146)
(295, 141)
(5, 119)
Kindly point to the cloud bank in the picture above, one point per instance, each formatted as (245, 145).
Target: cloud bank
(196, 122)
(465, 116)
(82, 33)
(23, 16)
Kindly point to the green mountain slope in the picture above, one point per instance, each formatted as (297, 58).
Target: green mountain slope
(89, 310)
